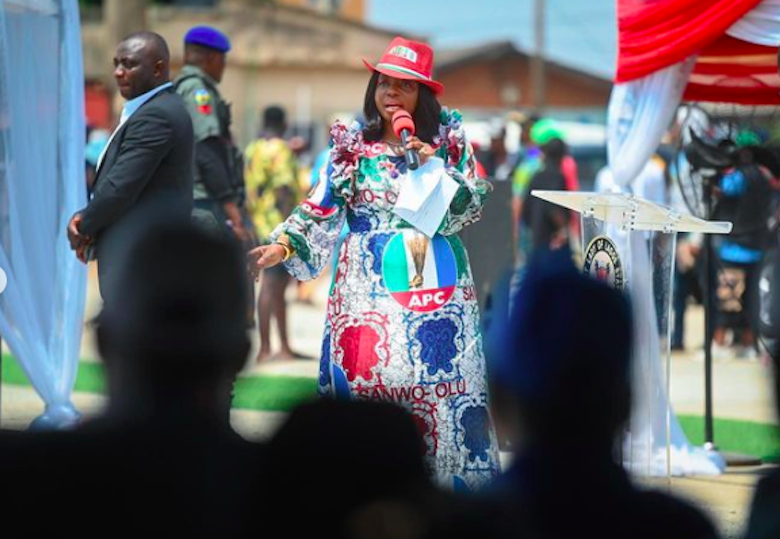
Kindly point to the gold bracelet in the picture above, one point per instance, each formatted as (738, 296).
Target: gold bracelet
(288, 250)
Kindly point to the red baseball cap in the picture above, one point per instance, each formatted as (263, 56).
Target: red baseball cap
(409, 60)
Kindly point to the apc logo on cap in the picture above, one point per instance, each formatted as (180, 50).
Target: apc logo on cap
(404, 52)
(3, 280)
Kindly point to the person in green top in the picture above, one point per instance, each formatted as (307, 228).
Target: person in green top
(219, 183)
(536, 133)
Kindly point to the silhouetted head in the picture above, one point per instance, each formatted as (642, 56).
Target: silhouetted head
(563, 374)
(274, 120)
(526, 126)
(363, 451)
(177, 322)
(142, 63)
(554, 151)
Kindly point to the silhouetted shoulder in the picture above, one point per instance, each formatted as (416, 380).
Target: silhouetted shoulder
(656, 514)
(764, 520)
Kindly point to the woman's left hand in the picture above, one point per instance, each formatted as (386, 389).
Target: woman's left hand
(424, 150)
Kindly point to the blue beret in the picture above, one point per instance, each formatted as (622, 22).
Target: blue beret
(208, 37)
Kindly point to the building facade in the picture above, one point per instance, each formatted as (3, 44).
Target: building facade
(496, 77)
(300, 57)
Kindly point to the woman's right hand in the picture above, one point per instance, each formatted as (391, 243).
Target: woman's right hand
(263, 257)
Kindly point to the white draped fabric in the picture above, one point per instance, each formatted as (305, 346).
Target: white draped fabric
(654, 427)
(639, 114)
(42, 184)
(761, 25)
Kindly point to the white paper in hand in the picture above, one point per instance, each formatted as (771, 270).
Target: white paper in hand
(425, 195)
(417, 185)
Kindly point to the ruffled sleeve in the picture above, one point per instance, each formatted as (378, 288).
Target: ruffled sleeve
(458, 155)
(315, 224)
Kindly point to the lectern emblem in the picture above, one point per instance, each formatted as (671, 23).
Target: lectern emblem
(602, 262)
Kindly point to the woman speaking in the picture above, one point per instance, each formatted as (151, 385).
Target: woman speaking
(402, 321)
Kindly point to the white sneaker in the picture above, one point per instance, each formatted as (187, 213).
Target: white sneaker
(719, 353)
(722, 353)
(746, 353)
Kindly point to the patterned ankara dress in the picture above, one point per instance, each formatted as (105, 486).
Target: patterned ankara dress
(403, 321)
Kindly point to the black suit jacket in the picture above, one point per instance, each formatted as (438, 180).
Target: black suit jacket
(146, 175)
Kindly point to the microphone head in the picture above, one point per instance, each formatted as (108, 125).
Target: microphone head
(402, 120)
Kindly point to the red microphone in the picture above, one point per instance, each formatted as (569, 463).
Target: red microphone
(403, 127)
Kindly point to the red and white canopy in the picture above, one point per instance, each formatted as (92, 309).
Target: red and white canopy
(696, 50)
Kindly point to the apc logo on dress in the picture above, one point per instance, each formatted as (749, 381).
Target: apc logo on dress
(420, 273)
(3, 280)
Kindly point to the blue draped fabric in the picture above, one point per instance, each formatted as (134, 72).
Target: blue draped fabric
(42, 183)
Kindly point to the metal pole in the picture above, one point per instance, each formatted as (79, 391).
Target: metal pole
(711, 280)
(709, 435)
(709, 431)
(537, 63)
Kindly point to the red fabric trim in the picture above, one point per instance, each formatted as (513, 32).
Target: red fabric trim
(730, 70)
(715, 94)
(726, 45)
(656, 35)
(734, 57)
(734, 70)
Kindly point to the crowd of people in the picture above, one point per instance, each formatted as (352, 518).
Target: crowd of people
(543, 160)
(744, 189)
(745, 192)
(164, 458)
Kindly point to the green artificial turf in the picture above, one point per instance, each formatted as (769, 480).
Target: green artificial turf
(737, 436)
(282, 393)
(273, 393)
(270, 393)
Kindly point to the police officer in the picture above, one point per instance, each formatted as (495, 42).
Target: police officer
(219, 181)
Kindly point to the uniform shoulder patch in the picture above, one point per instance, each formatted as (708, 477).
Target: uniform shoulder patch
(202, 96)
(203, 101)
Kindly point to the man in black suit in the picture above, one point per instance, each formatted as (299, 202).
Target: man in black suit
(146, 170)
